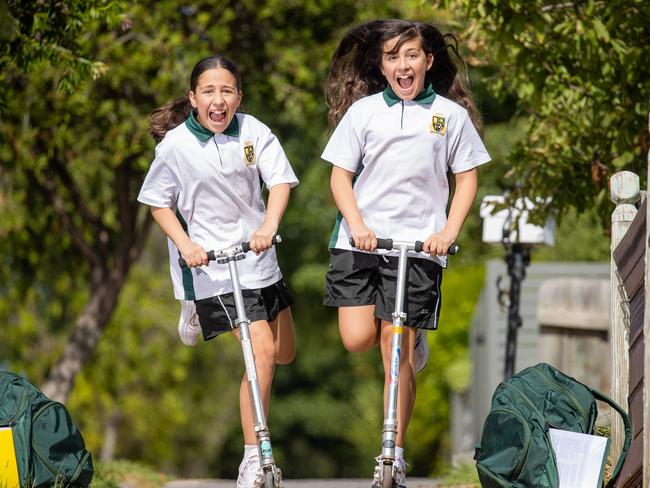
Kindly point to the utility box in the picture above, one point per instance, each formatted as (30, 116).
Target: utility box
(513, 223)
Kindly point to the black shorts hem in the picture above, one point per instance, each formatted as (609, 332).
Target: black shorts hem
(428, 323)
(344, 302)
(218, 314)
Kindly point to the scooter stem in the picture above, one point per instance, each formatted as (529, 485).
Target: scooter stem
(389, 434)
(261, 429)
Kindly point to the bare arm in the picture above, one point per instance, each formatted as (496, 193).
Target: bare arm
(466, 187)
(341, 185)
(193, 254)
(262, 238)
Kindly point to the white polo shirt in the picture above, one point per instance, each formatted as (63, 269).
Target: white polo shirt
(401, 151)
(214, 183)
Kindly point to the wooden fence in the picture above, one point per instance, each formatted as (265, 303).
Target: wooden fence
(630, 323)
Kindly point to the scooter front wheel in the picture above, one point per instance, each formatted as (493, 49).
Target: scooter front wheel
(269, 482)
(387, 476)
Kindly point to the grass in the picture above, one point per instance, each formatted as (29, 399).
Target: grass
(461, 476)
(125, 473)
(606, 431)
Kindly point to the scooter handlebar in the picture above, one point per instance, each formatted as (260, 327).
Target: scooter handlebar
(243, 247)
(389, 244)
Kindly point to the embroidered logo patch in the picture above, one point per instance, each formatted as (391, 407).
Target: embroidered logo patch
(249, 153)
(438, 124)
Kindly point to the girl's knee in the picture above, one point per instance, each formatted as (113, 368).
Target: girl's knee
(357, 343)
(358, 334)
(285, 355)
(263, 346)
(265, 358)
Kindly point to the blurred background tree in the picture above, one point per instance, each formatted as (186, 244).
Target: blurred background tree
(580, 74)
(82, 278)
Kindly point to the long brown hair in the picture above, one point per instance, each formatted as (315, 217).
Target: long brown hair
(355, 68)
(165, 118)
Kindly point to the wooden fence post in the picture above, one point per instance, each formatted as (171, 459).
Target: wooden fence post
(646, 333)
(624, 192)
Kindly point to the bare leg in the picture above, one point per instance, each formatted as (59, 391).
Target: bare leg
(284, 337)
(406, 387)
(358, 327)
(265, 354)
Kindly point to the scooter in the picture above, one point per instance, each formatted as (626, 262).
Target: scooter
(385, 472)
(269, 474)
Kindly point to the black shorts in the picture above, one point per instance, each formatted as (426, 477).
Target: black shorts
(218, 314)
(359, 278)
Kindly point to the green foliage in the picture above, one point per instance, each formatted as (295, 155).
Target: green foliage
(448, 369)
(147, 391)
(36, 34)
(578, 238)
(579, 73)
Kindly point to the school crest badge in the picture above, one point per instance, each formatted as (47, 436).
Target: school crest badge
(438, 124)
(249, 153)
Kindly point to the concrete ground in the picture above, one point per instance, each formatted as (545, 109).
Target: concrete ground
(330, 483)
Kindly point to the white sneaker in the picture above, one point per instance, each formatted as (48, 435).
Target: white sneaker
(421, 350)
(189, 329)
(248, 470)
(399, 468)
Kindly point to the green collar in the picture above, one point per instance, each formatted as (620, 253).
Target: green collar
(204, 134)
(425, 97)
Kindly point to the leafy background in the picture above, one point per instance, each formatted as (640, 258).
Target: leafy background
(563, 89)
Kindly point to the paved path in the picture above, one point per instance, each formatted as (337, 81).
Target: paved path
(331, 483)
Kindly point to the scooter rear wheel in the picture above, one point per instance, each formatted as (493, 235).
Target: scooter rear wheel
(387, 476)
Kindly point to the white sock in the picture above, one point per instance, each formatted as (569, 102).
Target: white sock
(399, 452)
(250, 449)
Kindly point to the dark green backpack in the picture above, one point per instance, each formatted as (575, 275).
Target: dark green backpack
(49, 448)
(515, 449)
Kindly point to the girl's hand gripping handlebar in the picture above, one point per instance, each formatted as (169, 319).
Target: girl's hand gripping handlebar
(244, 247)
(390, 244)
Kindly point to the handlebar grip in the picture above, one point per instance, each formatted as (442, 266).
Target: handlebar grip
(384, 243)
(381, 243)
(453, 249)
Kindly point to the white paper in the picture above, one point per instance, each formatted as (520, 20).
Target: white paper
(580, 458)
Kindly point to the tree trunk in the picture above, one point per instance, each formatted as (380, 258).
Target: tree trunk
(84, 338)
(110, 436)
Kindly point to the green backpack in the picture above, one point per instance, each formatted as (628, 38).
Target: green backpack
(49, 448)
(515, 449)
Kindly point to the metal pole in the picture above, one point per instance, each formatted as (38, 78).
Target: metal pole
(517, 258)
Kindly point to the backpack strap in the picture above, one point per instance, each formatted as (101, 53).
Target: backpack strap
(628, 431)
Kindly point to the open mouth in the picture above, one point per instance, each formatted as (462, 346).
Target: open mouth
(218, 117)
(405, 82)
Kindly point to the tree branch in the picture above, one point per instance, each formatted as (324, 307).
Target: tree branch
(48, 189)
(57, 165)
